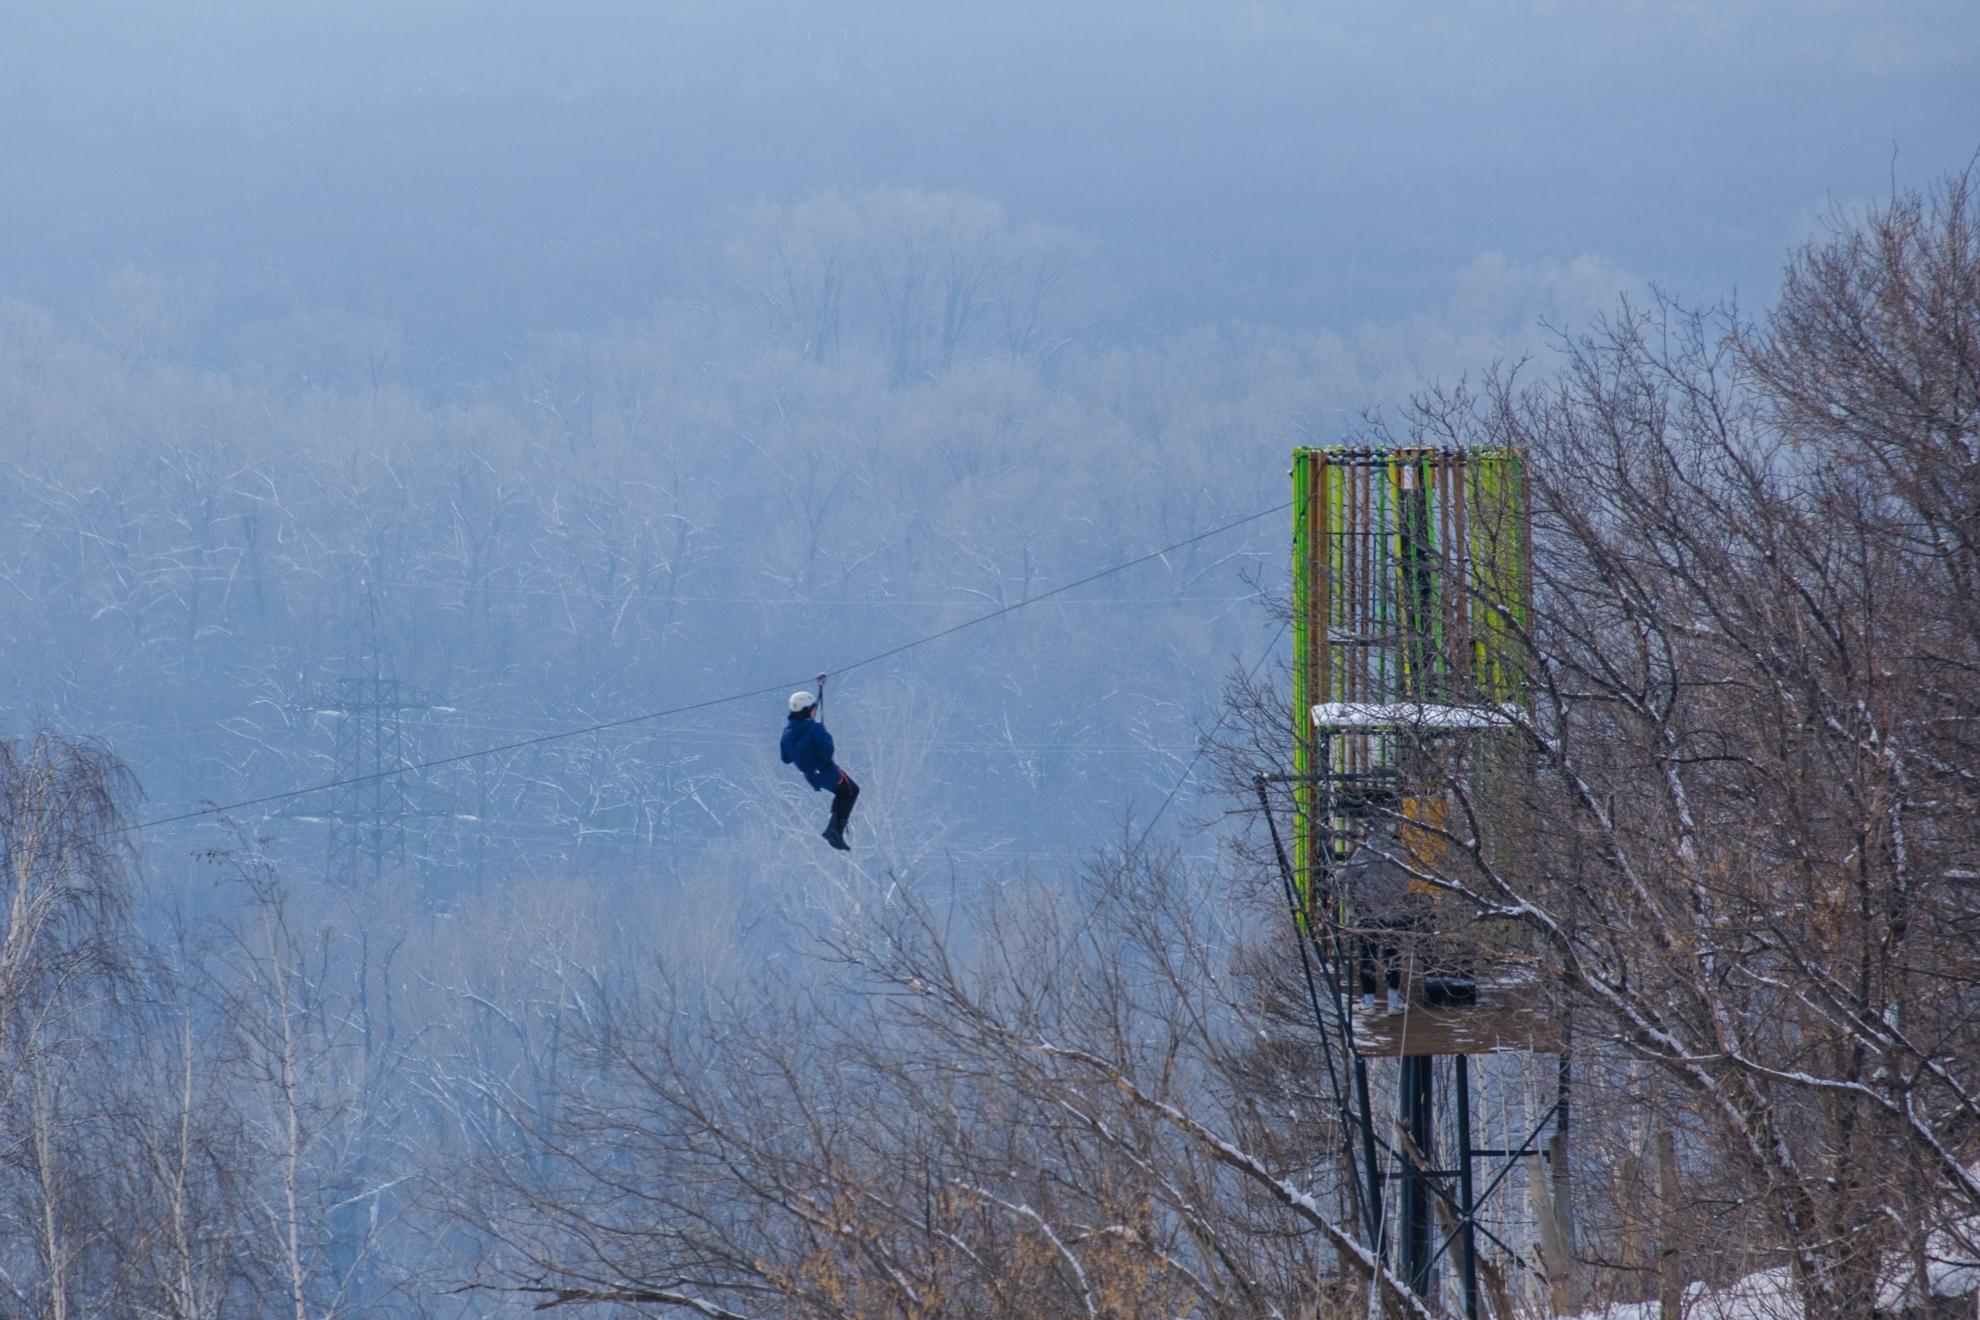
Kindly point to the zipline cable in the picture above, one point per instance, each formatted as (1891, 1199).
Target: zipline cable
(1061, 590)
(648, 716)
(1203, 744)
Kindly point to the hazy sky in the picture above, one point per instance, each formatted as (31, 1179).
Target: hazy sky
(482, 170)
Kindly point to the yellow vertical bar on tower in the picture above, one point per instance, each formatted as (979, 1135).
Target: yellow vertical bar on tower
(1499, 578)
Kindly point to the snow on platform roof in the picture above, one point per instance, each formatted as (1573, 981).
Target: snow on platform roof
(1410, 715)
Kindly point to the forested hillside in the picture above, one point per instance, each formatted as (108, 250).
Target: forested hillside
(898, 416)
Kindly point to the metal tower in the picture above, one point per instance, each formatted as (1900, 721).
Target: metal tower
(373, 794)
(1411, 588)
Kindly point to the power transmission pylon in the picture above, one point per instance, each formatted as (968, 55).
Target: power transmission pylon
(374, 793)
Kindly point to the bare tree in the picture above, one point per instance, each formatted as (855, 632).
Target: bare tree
(312, 1068)
(929, 277)
(1752, 652)
(67, 958)
(1010, 1107)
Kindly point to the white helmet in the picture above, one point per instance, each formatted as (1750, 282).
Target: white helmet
(802, 701)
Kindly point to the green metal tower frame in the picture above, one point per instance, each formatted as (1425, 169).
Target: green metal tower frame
(1412, 591)
(1361, 518)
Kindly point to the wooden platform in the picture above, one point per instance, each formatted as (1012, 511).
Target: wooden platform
(1506, 1017)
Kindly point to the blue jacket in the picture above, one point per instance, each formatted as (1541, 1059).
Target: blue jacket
(808, 747)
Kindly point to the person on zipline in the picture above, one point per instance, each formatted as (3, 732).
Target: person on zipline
(807, 746)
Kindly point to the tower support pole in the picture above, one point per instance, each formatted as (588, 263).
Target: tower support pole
(1375, 1218)
(1417, 1231)
(1467, 1202)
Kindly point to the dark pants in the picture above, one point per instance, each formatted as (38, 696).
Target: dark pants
(843, 798)
(1381, 945)
(1379, 949)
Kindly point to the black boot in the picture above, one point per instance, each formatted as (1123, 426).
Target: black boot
(843, 798)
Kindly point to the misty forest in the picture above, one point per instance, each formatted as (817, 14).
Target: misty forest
(445, 448)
